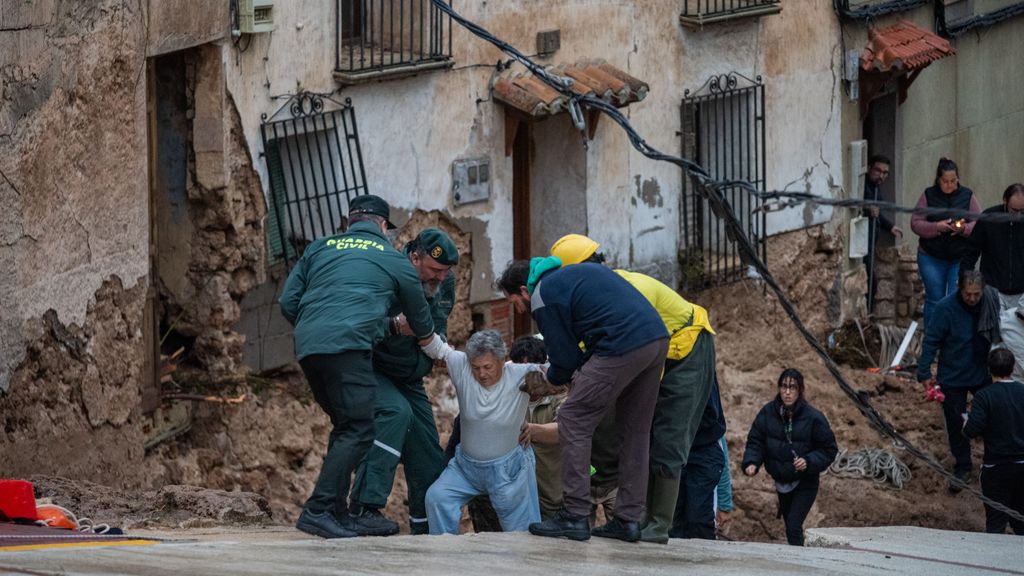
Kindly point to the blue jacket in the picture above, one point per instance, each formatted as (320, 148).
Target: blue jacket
(952, 332)
(590, 304)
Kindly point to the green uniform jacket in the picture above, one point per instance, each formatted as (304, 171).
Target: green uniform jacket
(399, 357)
(340, 292)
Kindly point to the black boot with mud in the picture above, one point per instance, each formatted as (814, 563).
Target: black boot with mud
(563, 524)
(322, 524)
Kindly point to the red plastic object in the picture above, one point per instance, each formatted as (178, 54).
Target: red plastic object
(17, 500)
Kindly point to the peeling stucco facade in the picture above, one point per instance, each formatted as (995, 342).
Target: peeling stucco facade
(199, 249)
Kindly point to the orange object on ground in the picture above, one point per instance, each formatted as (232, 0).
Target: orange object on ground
(17, 500)
(54, 517)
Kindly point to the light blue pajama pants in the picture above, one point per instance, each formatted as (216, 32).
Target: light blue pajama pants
(510, 481)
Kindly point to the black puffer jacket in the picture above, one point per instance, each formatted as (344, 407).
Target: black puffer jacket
(810, 437)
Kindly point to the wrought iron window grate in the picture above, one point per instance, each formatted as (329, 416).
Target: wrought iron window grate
(315, 167)
(700, 12)
(378, 35)
(724, 130)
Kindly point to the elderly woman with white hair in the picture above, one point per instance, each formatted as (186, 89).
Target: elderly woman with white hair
(489, 460)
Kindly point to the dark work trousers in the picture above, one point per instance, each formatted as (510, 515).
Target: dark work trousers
(695, 508)
(953, 409)
(682, 397)
(794, 507)
(345, 387)
(1003, 483)
(404, 431)
(630, 382)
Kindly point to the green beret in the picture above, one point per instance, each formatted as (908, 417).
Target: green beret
(438, 246)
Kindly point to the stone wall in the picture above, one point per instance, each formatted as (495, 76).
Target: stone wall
(73, 171)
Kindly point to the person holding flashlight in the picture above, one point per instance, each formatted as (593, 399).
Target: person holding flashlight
(943, 237)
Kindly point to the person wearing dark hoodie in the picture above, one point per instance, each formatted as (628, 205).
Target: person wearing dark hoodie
(944, 236)
(997, 415)
(795, 444)
(1000, 244)
(605, 339)
(962, 330)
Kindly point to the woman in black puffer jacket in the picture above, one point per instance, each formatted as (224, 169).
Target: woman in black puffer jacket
(795, 444)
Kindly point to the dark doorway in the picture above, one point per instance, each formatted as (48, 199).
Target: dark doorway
(880, 133)
(169, 222)
(521, 237)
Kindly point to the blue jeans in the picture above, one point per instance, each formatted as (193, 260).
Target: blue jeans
(939, 277)
(510, 481)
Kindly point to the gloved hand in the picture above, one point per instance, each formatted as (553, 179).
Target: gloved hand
(436, 349)
(933, 392)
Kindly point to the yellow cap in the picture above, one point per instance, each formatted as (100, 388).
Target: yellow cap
(574, 248)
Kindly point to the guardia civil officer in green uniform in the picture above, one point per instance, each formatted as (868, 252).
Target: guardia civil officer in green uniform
(404, 428)
(339, 296)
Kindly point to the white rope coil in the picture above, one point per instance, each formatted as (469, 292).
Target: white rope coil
(880, 465)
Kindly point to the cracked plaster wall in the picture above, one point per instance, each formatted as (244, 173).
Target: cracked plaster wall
(72, 161)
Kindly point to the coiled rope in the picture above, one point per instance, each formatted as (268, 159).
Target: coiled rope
(878, 464)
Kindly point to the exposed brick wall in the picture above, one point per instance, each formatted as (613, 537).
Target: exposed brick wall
(495, 315)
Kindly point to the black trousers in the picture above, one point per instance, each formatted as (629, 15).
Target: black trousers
(345, 387)
(794, 507)
(1003, 483)
(953, 409)
(695, 509)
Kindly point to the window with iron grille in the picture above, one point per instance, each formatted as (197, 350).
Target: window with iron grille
(381, 38)
(724, 131)
(698, 13)
(315, 167)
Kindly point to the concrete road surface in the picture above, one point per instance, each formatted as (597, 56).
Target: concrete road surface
(894, 550)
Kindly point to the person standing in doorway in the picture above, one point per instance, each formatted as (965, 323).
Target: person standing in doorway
(877, 175)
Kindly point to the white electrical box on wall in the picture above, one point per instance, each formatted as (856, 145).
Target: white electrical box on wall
(857, 167)
(471, 181)
(255, 16)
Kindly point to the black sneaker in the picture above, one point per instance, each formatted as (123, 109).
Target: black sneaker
(961, 475)
(322, 524)
(563, 524)
(618, 529)
(370, 522)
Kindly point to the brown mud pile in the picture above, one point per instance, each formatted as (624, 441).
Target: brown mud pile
(756, 341)
(169, 507)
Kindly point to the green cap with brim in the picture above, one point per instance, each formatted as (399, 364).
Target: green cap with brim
(438, 246)
(370, 204)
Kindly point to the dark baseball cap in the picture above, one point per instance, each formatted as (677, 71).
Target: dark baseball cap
(439, 246)
(370, 204)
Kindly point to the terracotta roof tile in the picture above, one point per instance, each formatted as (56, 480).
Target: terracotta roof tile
(530, 95)
(903, 46)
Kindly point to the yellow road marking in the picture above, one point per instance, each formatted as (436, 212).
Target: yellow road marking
(75, 545)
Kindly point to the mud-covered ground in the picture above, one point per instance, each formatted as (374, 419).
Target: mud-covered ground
(272, 443)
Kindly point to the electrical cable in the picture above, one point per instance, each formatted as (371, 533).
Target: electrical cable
(710, 190)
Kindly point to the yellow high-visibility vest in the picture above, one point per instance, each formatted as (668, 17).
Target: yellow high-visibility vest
(684, 320)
